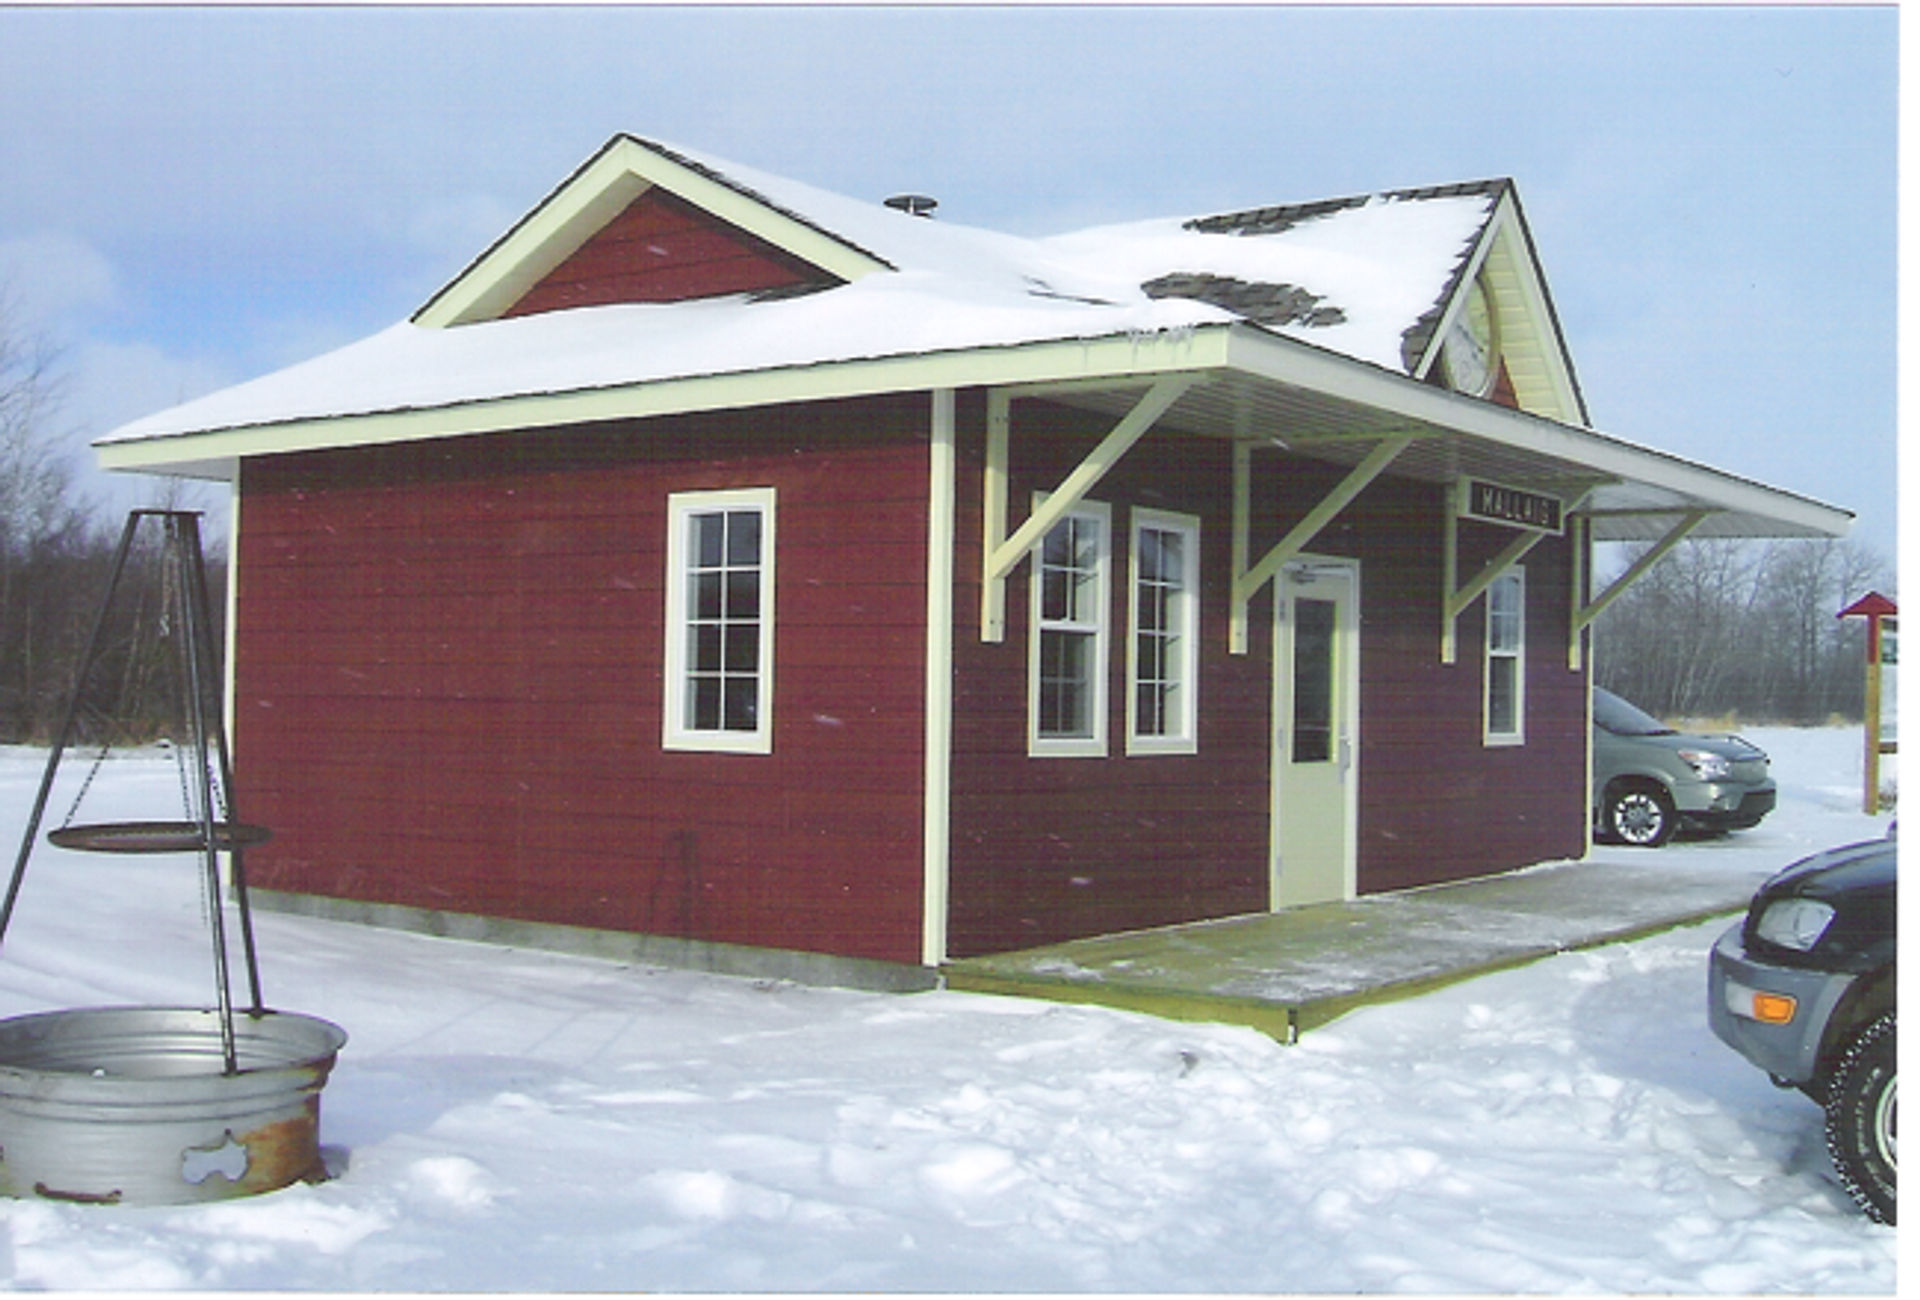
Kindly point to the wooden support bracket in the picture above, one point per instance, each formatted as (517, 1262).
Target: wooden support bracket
(1003, 553)
(1455, 600)
(1583, 615)
(1247, 580)
(1455, 603)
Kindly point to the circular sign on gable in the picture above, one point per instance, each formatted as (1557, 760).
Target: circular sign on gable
(1472, 348)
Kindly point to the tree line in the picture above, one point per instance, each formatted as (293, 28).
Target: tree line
(57, 551)
(1715, 628)
(1750, 629)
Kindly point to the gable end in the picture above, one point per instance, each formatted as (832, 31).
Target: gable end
(1416, 345)
(696, 168)
(1536, 370)
(600, 192)
(663, 249)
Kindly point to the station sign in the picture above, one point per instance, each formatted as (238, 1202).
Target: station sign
(1512, 507)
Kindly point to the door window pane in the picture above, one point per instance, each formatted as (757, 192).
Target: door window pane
(1313, 628)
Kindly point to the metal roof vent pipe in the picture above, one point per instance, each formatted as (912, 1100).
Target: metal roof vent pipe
(914, 205)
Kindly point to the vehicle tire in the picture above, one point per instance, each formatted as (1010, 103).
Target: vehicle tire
(1641, 815)
(1862, 1105)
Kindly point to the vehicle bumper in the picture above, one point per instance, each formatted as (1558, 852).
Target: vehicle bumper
(1788, 1051)
(1724, 806)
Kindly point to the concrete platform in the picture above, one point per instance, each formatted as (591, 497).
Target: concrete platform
(1287, 972)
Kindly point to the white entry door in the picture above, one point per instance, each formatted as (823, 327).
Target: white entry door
(1316, 710)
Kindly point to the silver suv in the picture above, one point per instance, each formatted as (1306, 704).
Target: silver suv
(1649, 779)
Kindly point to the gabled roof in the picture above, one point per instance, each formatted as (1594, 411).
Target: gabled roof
(1368, 276)
(884, 301)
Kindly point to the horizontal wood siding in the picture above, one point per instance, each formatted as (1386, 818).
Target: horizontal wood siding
(1046, 849)
(448, 681)
(663, 249)
(1436, 802)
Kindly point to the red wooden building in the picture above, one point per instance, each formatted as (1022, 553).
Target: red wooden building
(764, 571)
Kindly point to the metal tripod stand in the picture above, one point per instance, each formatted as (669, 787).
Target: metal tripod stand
(210, 827)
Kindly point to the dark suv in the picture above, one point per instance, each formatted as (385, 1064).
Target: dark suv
(1804, 988)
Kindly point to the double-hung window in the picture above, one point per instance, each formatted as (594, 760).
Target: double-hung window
(1067, 675)
(1507, 659)
(1162, 658)
(719, 650)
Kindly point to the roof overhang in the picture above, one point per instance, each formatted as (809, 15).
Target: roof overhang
(1257, 386)
(1335, 408)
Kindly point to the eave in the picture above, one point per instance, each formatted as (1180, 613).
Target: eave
(1256, 387)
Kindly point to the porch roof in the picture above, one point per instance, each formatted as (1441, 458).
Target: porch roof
(1318, 405)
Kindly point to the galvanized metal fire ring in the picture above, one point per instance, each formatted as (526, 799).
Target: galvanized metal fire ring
(134, 1105)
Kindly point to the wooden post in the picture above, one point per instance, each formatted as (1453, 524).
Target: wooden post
(1873, 607)
(1872, 765)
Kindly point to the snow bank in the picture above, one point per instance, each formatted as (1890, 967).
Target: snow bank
(516, 1120)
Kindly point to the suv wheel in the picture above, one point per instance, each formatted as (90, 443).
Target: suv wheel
(1862, 1104)
(1641, 815)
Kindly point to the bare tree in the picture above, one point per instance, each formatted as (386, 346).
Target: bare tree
(56, 556)
(1813, 664)
(1720, 627)
(45, 535)
(34, 478)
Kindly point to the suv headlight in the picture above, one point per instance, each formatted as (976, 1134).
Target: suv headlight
(1795, 923)
(1708, 766)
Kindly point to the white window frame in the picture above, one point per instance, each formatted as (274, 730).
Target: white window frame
(1496, 649)
(677, 729)
(1093, 745)
(1181, 735)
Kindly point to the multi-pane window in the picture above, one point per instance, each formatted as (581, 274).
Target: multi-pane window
(1067, 685)
(1162, 658)
(719, 678)
(1506, 659)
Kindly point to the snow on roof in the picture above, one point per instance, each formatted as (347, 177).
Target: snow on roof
(406, 367)
(1370, 271)
(1355, 276)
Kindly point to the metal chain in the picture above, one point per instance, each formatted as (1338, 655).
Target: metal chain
(87, 784)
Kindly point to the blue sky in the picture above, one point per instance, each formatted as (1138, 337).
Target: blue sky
(195, 196)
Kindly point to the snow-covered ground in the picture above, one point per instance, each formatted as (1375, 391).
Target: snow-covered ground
(516, 1120)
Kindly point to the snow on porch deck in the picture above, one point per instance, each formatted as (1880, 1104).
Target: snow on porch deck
(1290, 971)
